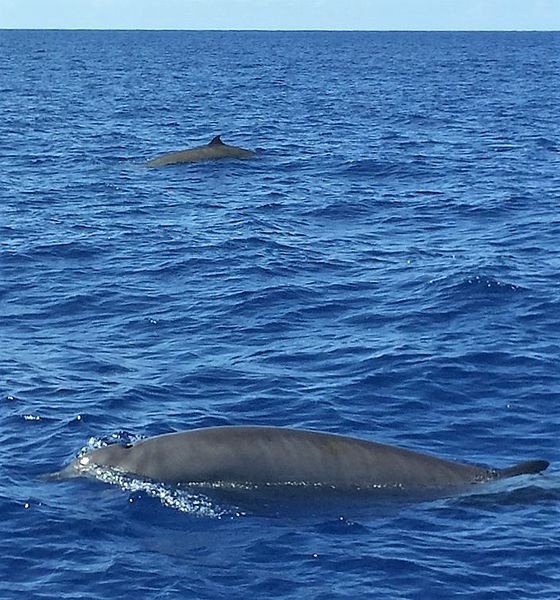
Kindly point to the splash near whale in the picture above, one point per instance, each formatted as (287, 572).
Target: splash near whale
(214, 150)
(259, 457)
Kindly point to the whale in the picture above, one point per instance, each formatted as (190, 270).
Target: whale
(261, 456)
(214, 150)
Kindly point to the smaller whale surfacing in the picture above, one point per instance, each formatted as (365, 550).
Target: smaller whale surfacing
(214, 150)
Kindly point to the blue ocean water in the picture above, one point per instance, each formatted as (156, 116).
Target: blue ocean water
(388, 268)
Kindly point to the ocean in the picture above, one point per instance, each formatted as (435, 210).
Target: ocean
(388, 268)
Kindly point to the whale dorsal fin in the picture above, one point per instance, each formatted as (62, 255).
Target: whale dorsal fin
(216, 141)
(525, 468)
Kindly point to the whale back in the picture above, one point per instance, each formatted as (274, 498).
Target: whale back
(258, 456)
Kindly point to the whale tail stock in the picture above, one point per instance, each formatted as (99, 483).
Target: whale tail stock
(529, 467)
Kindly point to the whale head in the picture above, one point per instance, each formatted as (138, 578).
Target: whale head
(113, 456)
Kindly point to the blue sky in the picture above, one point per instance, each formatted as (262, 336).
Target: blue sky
(282, 14)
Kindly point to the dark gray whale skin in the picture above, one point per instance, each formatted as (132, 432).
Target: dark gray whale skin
(264, 456)
(214, 150)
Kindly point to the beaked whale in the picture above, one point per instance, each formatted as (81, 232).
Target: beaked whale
(274, 456)
(214, 150)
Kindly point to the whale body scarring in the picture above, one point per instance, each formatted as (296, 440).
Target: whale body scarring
(264, 456)
(214, 150)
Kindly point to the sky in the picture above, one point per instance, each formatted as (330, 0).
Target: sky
(282, 14)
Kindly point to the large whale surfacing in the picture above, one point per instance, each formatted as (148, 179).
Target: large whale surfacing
(275, 456)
